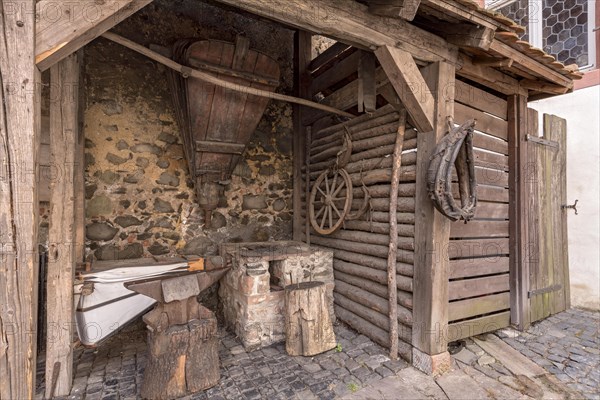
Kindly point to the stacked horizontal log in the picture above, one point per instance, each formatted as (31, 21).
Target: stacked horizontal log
(361, 247)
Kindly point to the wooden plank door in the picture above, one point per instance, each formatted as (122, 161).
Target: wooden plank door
(548, 251)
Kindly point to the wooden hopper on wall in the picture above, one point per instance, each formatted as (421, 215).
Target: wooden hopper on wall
(217, 123)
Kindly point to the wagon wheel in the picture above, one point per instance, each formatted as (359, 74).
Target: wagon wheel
(330, 201)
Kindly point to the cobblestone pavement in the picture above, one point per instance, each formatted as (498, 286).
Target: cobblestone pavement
(567, 345)
(115, 369)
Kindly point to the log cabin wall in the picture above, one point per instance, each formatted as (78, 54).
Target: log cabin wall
(479, 287)
(361, 246)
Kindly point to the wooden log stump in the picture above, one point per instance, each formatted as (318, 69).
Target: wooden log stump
(309, 330)
(183, 358)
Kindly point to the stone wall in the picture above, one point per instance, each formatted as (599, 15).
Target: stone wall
(140, 200)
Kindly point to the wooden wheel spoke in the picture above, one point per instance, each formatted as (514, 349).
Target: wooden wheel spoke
(333, 183)
(339, 188)
(322, 192)
(327, 185)
(330, 217)
(324, 217)
(317, 215)
(336, 210)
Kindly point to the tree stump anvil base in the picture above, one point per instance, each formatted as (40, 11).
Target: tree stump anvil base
(184, 357)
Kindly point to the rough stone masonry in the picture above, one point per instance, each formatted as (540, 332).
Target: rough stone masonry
(139, 196)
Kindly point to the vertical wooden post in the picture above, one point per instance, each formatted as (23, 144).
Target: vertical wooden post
(79, 171)
(393, 246)
(19, 145)
(64, 127)
(432, 232)
(302, 57)
(519, 198)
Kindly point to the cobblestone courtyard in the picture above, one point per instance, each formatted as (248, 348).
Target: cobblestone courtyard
(115, 369)
(566, 346)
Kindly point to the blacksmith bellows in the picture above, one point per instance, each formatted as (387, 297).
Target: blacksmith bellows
(217, 122)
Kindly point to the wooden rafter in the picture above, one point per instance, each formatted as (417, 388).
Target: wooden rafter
(351, 22)
(405, 77)
(535, 67)
(467, 35)
(63, 27)
(405, 9)
(457, 10)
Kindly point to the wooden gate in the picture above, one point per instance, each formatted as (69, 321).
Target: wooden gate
(547, 251)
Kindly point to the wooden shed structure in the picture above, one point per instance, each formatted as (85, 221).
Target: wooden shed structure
(402, 67)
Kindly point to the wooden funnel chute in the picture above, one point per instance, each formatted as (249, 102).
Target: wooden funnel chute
(217, 123)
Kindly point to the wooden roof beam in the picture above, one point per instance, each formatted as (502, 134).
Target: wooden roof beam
(468, 35)
(405, 9)
(63, 27)
(535, 67)
(457, 10)
(350, 22)
(405, 77)
(493, 62)
(543, 87)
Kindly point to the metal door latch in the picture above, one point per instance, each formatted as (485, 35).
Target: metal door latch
(574, 207)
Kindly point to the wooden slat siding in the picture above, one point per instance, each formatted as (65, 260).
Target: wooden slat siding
(473, 327)
(490, 143)
(490, 160)
(481, 100)
(19, 220)
(479, 229)
(491, 177)
(481, 247)
(487, 193)
(467, 288)
(485, 123)
(302, 57)
(519, 195)
(474, 267)
(469, 248)
(61, 234)
(432, 229)
(492, 211)
(463, 309)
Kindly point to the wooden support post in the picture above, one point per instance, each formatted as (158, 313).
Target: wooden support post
(64, 127)
(393, 247)
(19, 145)
(432, 232)
(519, 198)
(302, 56)
(79, 172)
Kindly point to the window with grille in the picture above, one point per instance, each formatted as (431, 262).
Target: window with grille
(563, 28)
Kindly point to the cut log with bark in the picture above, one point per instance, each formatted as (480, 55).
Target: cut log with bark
(184, 358)
(308, 326)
